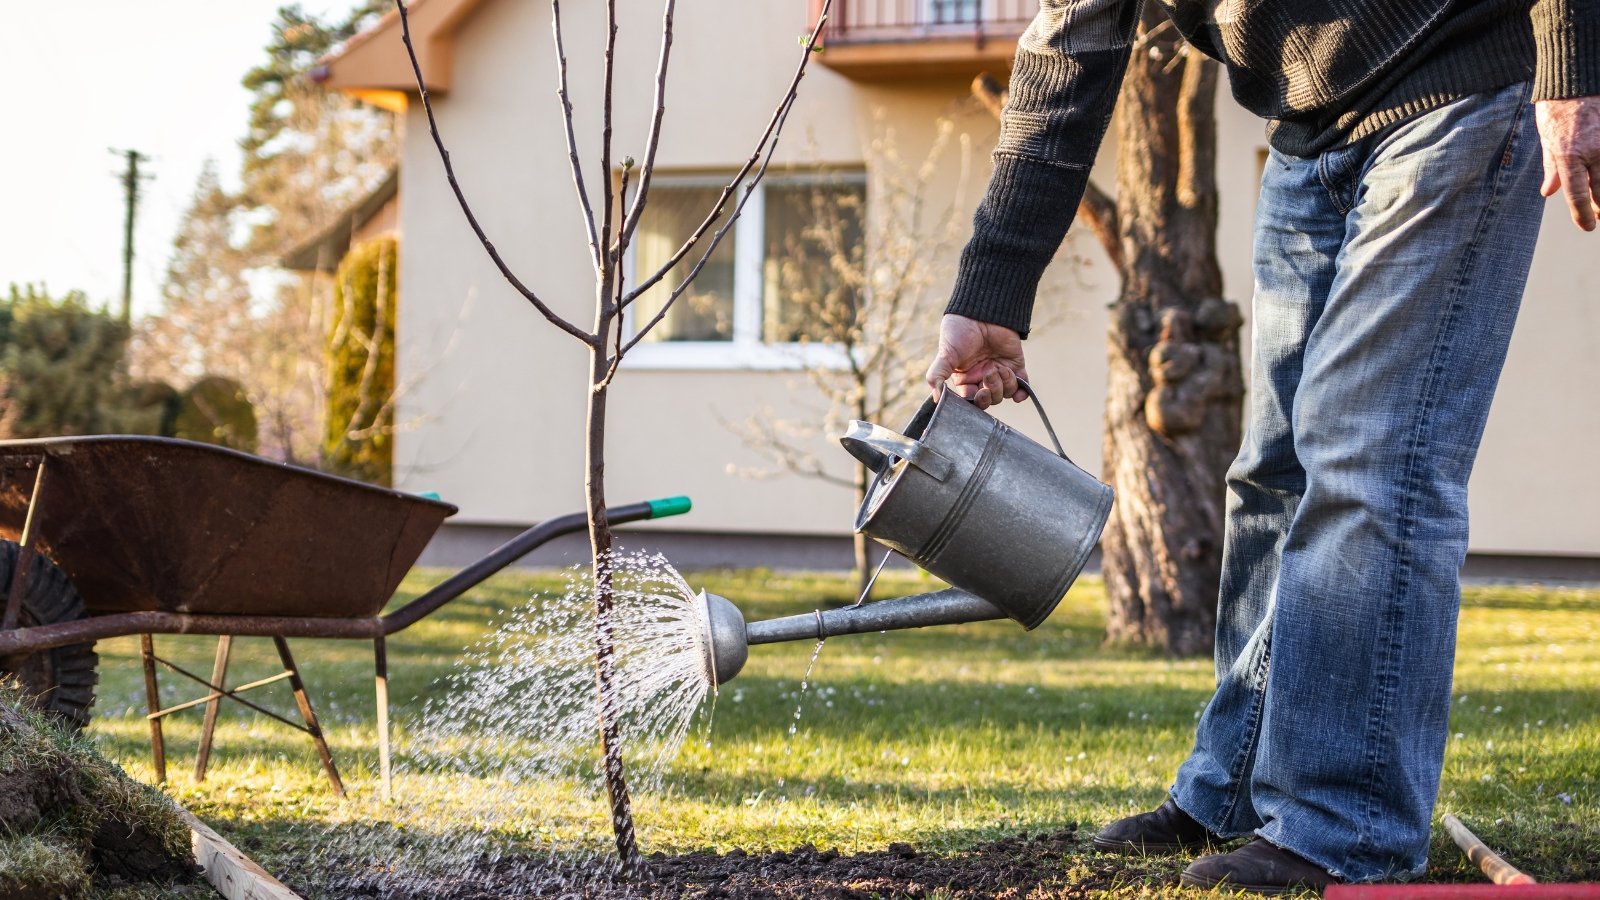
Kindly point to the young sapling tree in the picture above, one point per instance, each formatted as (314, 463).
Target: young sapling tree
(608, 339)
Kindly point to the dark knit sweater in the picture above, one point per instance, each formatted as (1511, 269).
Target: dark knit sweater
(1322, 72)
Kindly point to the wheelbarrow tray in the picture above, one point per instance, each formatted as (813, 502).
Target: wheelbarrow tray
(147, 524)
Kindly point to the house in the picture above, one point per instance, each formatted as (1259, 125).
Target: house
(373, 216)
(493, 398)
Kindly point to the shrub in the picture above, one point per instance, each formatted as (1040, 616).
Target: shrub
(214, 410)
(359, 439)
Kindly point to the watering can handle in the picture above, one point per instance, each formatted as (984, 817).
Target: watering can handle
(874, 445)
(1044, 418)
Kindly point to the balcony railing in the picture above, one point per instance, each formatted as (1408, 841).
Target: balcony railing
(856, 21)
(887, 39)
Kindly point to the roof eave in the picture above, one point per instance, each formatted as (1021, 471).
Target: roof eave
(374, 67)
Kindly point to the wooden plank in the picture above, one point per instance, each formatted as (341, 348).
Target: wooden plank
(234, 875)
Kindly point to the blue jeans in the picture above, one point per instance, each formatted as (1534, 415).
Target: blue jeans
(1388, 276)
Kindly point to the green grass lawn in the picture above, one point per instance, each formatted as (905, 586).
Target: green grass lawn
(943, 738)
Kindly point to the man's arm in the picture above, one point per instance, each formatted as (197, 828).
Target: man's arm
(1566, 91)
(1069, 66)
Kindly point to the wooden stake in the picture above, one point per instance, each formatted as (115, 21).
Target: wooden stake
(1493, 865)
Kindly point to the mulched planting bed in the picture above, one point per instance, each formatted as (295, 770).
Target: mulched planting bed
(1012, 867)
(1018, 867)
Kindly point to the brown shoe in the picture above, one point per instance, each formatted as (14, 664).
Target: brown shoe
(1167, 829)
(1257, 866)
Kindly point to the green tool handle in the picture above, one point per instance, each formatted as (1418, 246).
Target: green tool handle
(521, 546)
(669, 506)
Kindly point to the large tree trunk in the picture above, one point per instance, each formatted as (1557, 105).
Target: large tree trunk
(1173, 397)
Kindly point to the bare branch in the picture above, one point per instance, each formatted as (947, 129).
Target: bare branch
(764, 435)
(986, 88)
(1152, 29)
(585, 207)
(658, 109)
(1100, 212)
(373, 345)
(466, 208)
(608, 198)
(1197, 130)
(762, 155)
(616, 301)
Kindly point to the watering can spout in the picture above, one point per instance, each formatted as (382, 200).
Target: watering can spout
(726, 637)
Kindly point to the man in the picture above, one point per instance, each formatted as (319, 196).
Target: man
(1396, 225)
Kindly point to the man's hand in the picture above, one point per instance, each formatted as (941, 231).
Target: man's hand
(981, 361)
(1569, 131)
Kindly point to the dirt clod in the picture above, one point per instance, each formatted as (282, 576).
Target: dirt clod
(68, 816)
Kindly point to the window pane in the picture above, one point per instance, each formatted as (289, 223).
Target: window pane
(705, 311)
(813, 268)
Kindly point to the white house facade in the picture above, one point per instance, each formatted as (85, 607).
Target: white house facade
(492, 405)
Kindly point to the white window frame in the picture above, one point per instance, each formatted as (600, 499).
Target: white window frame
(746, 350)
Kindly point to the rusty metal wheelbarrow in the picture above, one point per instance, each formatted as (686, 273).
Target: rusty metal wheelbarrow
(120, 535)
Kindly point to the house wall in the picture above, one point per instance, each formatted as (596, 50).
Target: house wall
(493, 397)
(386, 221)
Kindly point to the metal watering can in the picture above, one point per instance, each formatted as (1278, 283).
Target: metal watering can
(1006, 521)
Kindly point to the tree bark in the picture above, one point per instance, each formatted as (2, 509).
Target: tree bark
(1173, 396)
(601, 546)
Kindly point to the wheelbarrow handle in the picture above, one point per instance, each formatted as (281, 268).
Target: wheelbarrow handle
(521, 546)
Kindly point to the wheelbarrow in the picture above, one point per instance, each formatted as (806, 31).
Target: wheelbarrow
(120, 535)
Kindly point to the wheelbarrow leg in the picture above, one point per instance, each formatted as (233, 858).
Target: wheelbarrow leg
(19, 577)
(219, 674)
(380, 655)
(152, 696)
(304, 702)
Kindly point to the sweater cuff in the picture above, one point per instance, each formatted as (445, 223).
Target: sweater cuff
(1017, 229)
(1567, 45)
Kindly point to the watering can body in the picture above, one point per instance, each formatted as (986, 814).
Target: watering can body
(1005, 520)
(982, 506)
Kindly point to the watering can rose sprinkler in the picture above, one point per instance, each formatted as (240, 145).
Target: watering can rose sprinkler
(1006, 521)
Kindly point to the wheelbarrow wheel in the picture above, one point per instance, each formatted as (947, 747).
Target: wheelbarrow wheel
(60, 680)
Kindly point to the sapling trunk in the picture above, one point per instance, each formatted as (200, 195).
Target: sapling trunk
(600, 544)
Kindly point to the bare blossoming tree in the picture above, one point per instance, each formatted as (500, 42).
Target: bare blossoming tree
(867, 281)
(610, 225)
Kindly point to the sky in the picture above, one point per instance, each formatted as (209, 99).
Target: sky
(84, 76)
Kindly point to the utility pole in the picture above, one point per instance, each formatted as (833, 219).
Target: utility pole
(130, 190)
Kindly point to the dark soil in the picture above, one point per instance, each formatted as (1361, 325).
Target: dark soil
(56, 792)
(1014, 868)
(132, 852)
